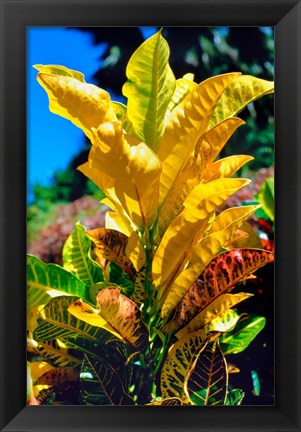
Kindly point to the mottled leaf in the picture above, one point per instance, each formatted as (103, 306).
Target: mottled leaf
(220, 231)
(112, 244)
(52, 353)
(101, 384)
(207, 381)
(57, 376)
(124, 315)
(178, 363)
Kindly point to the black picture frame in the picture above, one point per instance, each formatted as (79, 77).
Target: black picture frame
(16, 15)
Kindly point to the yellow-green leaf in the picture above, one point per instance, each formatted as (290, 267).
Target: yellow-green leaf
(43, 278)
(187, 122)
(148, 89)
(167, 402)
(124, 315)
(134, 171)
(207, 381)
(77, 257)
(224, 322)
(178, 363)
(85, 105)
(60, 70)
(187, 316)
(183, 87)
(240, 92)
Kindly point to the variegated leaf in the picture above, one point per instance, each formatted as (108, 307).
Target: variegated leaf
(187, 316)
(101, 384)
(112, 244)
(43, 278)
(77, 257)
(178, 363)
(58, 376)
(207, 381)
(52, 353)
(124, 315)
(220, 231)
(235, 397)
(168, 402)
(183, 87)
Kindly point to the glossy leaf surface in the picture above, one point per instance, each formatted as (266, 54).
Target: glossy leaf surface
(85, 105)
(178, 363)
(243, 334)
(112, 244)
(238, 95)
(207, 380)
(148, 89)
(43, 278)
(77, 257)
(187, 122)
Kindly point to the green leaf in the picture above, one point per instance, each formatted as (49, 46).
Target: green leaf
(77, 257)
(266, 197)
(101, 384)
(149, 88)
(256, 383)
(244, 333)
(235, 397)
(43, 278)
(207, 380)
(239, 93)
(58, 323)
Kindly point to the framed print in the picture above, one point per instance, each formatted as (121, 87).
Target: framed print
(127, 322)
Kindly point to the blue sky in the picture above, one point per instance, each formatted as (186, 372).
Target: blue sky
(53, 140)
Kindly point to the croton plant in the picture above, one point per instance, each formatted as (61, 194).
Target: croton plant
(140, 312)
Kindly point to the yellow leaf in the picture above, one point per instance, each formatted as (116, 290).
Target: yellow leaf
(60, 70)
(206, 150)
(178, 362)
(114, 220)
(225, 167)
(85, 105)
(88, 314)
(135, 251)
(187, 122)
(240, 92)
(175, 248)
(221, 230)
(134, 170)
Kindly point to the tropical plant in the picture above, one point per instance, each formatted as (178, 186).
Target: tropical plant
(141, 312)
